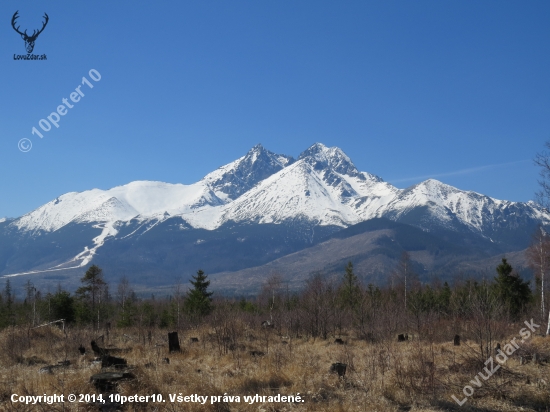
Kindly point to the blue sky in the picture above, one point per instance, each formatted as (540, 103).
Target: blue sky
(455, 90)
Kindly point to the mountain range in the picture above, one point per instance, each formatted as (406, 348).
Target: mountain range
(260, 214)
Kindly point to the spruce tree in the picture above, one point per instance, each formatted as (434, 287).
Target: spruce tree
(8, 315)
(8, 294)
(349, 290)
(94, 291)
(444, 299)
(93, 279)
(511, 288)
(62, 306)
(199, 301)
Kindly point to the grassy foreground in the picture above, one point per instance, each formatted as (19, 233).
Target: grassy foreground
(416, 375)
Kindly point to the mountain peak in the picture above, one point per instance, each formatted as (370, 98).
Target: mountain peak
(258, 147)
(432, 188)
(259, 153)
(321, 157)
(432, 182)
(314, 150)
(436, 186)
(258, 150)
(238, 177)
(317, 147)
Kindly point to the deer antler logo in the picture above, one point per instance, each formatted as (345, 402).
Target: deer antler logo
(29, 40)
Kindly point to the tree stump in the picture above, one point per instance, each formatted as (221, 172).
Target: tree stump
(339, 368)
(267, 324)
(99, 351)
(107, 381)
(173, 342)
(108, 360)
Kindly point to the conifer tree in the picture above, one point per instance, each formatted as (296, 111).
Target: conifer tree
(404, 273)
(8, 317)
(94, 285)
(199, 300)
(443, 300)
(62, 306)
(511, 289)
(95, 291)
(8, 294)
(349, 289)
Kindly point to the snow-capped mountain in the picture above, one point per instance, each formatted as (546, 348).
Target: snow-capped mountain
(323, 186)
(234, 179)
(320, 191)
(157, 200)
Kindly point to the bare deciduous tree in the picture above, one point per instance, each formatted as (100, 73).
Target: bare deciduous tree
(542, 160)
(319, 305)
(538, 255)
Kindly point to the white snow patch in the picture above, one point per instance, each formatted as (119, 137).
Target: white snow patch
(87, 255)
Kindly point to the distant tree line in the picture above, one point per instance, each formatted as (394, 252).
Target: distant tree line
(326, 307)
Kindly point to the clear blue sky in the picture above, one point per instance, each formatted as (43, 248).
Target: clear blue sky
(409, 90)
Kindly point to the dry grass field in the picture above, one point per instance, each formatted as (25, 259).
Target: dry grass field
(416, 375)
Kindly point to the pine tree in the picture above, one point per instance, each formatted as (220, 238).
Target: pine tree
(93, 279)
(94, 290)
(404, 272)
(349, 289)
(8, 314)
(8, 294)
(199, 300)
(511, 289)
(62, 306)
(126, 299)
(444, 299)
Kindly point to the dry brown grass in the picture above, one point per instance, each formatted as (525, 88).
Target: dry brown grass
(386, 376)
